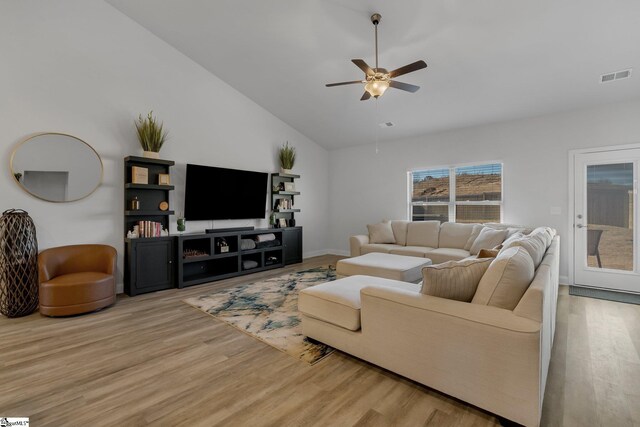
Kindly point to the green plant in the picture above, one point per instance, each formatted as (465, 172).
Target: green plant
(287, 156)
(150, 133)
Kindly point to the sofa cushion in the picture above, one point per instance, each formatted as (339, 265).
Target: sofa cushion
(454, 235)
(477, 228)
(446, 254)
(534, 244)
(423, 233)
(377, 247)
(455, 280)
(487, 239)
(381, 233)
(419, 251)
(400, 231)
(506, 279)
(511, 227)
(338, 302)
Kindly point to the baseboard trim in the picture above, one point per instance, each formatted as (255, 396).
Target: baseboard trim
(312, 254)
(339, 252)
(326, 252)
(564, 280)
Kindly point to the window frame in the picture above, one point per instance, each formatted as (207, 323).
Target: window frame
(452, 203)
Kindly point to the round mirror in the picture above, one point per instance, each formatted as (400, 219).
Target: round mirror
(56, 167)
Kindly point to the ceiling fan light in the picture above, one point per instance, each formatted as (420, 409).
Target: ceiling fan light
(376, 88)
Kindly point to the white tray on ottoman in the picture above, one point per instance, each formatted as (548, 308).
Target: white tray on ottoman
(388, 266)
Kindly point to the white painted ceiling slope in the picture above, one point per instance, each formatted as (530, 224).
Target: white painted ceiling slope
(489, 61)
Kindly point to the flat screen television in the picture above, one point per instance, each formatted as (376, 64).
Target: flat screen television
(218, 193)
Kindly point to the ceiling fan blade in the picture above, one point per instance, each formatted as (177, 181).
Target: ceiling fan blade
(363, 66)
(365, 96)
(418, 65)
(404, 86)
(344, 83)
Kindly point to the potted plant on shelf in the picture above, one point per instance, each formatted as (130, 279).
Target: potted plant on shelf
(151, 135)
(287, 156)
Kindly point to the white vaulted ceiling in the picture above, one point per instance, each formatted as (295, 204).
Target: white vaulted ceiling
(488, 61)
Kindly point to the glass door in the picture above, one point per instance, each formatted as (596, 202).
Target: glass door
(606, 253)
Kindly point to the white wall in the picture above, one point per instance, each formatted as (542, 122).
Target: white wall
(83, 68)
(366, 186)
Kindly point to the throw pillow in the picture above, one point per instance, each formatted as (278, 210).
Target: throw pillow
(547, 232)
(455, 280)
(506, 280)
(381, 233)
(487, 239)
(488, 253)
(511, 231)
(474, 235)
(400, 231)
(534, 244)
(515, 236)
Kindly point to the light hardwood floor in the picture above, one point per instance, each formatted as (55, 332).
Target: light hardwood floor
(155, 360)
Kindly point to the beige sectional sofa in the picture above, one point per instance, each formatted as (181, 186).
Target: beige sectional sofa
(491, 357)
(448, 241)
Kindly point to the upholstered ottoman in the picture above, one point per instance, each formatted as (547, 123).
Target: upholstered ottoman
(388, 266)
(338, 302)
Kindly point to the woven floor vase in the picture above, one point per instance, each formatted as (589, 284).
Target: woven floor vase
(18, 264)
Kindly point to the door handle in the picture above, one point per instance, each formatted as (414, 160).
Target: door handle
(579, 225)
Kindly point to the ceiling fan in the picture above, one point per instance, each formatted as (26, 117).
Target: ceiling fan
(378, 80)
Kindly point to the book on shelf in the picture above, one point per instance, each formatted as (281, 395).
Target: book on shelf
(147, 229)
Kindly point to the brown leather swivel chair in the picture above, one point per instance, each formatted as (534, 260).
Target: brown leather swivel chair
(76, 279)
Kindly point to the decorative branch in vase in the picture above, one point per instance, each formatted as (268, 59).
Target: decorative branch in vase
(151, 135)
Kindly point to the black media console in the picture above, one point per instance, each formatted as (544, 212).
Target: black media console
(155, 261)
(201, 259)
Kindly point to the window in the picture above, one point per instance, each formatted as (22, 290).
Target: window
(465, 194)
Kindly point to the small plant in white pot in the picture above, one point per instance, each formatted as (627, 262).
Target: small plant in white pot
(287, 155)
(151, 135)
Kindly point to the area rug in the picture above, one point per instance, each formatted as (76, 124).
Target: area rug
(268, 310)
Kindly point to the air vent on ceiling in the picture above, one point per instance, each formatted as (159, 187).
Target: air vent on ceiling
(609, 77)
(386, 124)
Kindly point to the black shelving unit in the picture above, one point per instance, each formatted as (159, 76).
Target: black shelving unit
(292, 233)
(278, 180)
(292, 243)
(149, 261)
(200, 261)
